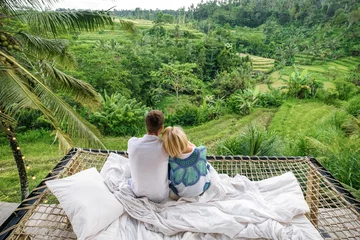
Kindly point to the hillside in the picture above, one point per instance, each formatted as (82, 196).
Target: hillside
(188, 65)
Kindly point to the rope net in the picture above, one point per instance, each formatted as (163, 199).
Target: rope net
(334, 212)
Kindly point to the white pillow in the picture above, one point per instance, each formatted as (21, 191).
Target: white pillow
(87, 202)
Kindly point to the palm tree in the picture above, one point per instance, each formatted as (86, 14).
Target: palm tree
(30, 75)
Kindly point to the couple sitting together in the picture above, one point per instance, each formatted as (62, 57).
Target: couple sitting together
(165, 167)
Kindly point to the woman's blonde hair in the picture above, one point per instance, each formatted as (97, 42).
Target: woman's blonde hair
(175, 141)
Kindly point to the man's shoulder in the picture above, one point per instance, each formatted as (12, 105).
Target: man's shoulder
(133, 139)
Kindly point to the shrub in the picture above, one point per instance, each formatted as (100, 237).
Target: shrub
(185, 115)
(119, 116)
(274, 98)
(354, 75)
(346, 89)
(254, 141)
(243, 101)
(226, 83)
(301, 85)
(328, 96)
(211, 109)
(354, 106)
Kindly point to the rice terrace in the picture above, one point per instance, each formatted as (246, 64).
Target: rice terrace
(267, 86)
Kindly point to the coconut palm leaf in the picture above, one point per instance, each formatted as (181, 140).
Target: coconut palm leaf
(54, 107)
(42, 48)
(127, 25)
(82, 92)
(13, 94)
(53, 22)
(65, 142)
(10, 6)
(17, 96)
(7, 119)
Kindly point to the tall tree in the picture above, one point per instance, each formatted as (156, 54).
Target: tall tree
(178, 77)
(30, 72)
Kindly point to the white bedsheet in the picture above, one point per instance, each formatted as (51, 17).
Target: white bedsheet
(232, 208)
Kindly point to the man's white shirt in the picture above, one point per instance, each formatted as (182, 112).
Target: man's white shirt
(149, 168)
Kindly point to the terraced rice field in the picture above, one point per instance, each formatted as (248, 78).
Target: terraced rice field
(260, 64)
(322, 71)
(342, 65)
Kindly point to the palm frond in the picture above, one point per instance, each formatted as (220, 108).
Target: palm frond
(42, 48)
(14, 94)
(10, 6)
(82, 91)
(127, 25)
(48, 102)
(62, 22)
(7, 119)
(65, 142)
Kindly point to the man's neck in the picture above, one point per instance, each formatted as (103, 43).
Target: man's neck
(153, 134)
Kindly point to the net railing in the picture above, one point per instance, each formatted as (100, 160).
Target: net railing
(334, 212)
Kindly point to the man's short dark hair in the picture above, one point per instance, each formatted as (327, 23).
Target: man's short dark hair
(154, 121)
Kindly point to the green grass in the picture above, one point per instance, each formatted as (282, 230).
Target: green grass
(230, 125)
(297, 117)
(40, 154)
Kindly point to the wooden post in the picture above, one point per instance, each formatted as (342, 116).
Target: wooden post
(312, 196)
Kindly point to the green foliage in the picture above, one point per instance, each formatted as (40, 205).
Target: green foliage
(188, 114)
(301, 85)
(178, 78)
(30, 119)
(226, 83)
(345, 89)
(354, 75)
(274, 98)
(329, 96)
(354, 106)
(119, 116)
(244, 101)
(322, 131)
(253, 141)
(211, 108)
(185, 115)
(164, 18)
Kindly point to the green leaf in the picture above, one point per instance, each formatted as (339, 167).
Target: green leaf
(82, 91)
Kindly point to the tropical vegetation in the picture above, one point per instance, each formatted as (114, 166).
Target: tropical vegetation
(264, 77)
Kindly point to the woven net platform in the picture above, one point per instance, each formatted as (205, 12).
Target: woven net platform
(335, 213)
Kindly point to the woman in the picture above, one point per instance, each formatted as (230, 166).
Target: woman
(188, 168)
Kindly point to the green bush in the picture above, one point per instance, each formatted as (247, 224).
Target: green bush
(30, 119)
(346, 89)
(243, 101)
(354, 75)
(35, 136)
(226, 83)
(329, 96)
(119, 116)
(254, 141)
(274, 98)
(185, 115)
(211, 109)
(301, 85)
(354, 106)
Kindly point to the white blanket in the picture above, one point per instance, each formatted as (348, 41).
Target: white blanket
(232, 208)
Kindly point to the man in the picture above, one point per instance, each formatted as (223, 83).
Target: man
(149, 161)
